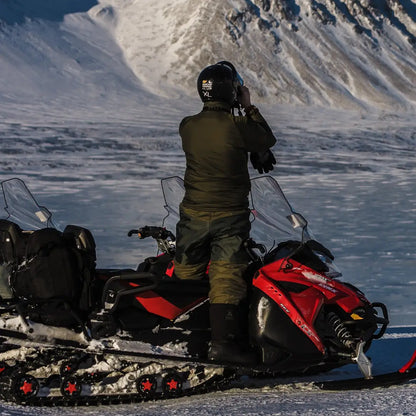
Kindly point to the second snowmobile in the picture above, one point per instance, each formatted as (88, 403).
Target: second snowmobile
(71, 332)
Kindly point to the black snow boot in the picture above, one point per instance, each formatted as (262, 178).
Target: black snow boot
(227, 341)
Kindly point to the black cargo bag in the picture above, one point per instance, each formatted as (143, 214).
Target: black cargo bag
(50, 270)
(51, 273)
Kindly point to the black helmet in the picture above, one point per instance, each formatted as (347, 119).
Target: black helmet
(219, 82)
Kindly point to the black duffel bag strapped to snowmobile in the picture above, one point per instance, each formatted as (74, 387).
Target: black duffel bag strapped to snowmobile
(51, 272)
(50, 268)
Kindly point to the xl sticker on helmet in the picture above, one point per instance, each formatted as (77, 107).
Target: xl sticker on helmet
(206, 87)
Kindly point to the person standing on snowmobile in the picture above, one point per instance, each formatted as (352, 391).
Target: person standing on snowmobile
(214, 215)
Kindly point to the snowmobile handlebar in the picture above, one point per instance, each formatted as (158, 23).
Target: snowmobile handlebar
(250, 246)
(158, 233)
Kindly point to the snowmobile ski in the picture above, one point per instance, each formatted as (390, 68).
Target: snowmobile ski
(381, 380)
(403, 375)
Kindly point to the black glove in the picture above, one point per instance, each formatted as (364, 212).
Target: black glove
(263, 161)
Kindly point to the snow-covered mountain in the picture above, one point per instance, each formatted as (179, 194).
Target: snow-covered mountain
(338, 53)
(332, 52)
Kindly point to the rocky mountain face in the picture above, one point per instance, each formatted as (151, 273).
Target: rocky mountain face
(331, 51)
(344, 53)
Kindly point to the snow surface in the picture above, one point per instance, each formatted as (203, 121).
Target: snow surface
(92, 93)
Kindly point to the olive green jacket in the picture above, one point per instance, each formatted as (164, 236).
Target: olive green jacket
(216, 144)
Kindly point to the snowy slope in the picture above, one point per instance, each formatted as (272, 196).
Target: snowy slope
(58, 62)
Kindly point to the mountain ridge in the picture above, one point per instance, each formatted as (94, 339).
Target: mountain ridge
(351, 54)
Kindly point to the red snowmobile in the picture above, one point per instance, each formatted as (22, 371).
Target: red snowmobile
(74, 333)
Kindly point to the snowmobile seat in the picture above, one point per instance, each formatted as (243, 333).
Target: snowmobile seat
(132, 284)
(139, 300)
(125, 283)
(178, 288)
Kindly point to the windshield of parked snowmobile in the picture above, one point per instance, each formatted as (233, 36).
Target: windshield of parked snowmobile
(273, 218)
(22, 207)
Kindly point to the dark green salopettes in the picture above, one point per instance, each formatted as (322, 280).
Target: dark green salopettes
(214, 219)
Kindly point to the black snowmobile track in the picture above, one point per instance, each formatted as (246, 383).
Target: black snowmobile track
(380, 381)
(72, 386)
(73, 375)
(59, 376)
(106, 399)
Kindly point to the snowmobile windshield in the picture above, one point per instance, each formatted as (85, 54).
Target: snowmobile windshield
(273, 218)
(22, 208)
